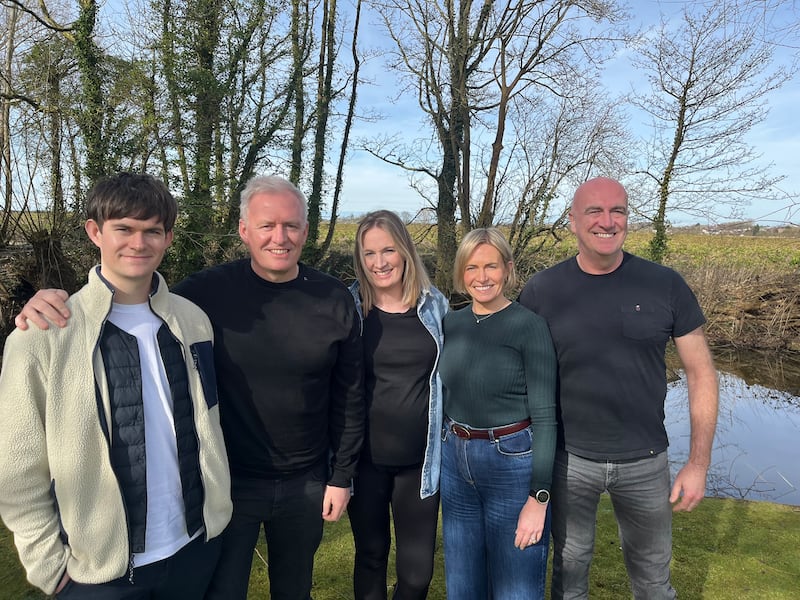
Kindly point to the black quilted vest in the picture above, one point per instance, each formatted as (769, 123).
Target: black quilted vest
(122, 366)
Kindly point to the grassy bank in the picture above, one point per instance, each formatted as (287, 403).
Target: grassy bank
(748, 286)
(724, 550)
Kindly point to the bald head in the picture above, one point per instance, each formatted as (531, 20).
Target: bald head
(600, 187)
(599, 219)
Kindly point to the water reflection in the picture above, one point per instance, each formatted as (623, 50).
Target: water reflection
(758, 432)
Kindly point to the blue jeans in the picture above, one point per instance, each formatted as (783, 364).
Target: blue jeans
(639, 491)
(484, 485)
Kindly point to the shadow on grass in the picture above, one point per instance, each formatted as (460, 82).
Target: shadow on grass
(695, 539)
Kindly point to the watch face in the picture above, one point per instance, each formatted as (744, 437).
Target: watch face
(543, 496)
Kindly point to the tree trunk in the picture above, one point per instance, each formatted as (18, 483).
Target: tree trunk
(327, 52)
(351, 107)
(5, 127)
(90, 67)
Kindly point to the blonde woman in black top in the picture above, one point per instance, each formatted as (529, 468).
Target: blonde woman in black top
(399, 465)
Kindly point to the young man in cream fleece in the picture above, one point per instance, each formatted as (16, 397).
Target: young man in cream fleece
(113, 472)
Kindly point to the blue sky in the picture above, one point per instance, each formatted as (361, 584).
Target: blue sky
(370, 184)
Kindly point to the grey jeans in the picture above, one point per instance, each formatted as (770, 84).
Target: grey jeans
(639, 491)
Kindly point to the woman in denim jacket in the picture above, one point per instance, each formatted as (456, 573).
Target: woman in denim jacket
(399, 465)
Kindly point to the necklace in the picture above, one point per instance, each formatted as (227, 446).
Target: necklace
(480, 318)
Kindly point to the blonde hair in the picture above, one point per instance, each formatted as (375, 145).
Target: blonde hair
(484, 235)
(415, 278)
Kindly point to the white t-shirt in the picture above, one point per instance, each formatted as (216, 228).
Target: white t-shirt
(166, 525)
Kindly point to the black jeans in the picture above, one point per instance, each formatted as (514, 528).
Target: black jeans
(290, 511)
(376, 489)
(182, 576)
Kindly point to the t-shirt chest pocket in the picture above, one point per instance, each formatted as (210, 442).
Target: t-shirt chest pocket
(640, 322)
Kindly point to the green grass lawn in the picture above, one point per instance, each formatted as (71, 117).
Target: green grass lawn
(725, 549)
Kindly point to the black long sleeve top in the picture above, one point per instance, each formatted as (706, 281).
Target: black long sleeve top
(289, 362)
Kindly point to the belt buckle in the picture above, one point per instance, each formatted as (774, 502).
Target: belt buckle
(460, 431)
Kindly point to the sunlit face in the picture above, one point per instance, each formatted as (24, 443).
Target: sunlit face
(274, 230)
(130, 250)
(599, 220)
(484, 278)
(382, 261)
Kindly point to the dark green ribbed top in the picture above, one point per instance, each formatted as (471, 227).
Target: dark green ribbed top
(500, 371)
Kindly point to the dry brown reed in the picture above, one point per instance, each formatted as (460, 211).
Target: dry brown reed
(748, 306)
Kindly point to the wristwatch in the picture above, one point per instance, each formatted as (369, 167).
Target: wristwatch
(542, 496)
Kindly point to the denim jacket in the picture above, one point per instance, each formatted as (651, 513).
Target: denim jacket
(431, 308)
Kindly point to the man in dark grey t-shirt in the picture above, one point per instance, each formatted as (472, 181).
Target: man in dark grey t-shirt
(610, 315)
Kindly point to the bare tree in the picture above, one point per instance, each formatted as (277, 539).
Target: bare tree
(325, 82)
(467, 62)
(709, 81)
(37, 97)
(440, 46)
(322, 111)
(561, 144)
(6, 99)
(93, 107)
(546, 53)
(257, 90)
(345, 143)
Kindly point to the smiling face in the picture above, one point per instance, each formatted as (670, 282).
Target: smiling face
(383, 263)
(274, 230)
(130, 251)
(599, 219)
(485, 275)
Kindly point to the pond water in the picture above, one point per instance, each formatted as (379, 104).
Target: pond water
(756, 451)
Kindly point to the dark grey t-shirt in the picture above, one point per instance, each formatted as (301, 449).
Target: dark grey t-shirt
(610, 333)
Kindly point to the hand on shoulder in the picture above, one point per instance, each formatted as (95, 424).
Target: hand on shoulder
(47, 306)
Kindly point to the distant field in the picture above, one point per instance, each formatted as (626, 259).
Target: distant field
(772, 248)
(781, 253)
(686, 248)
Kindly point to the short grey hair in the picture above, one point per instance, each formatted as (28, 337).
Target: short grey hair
(270, 184)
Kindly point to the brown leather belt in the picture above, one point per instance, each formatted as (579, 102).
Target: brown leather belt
(468, 433)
